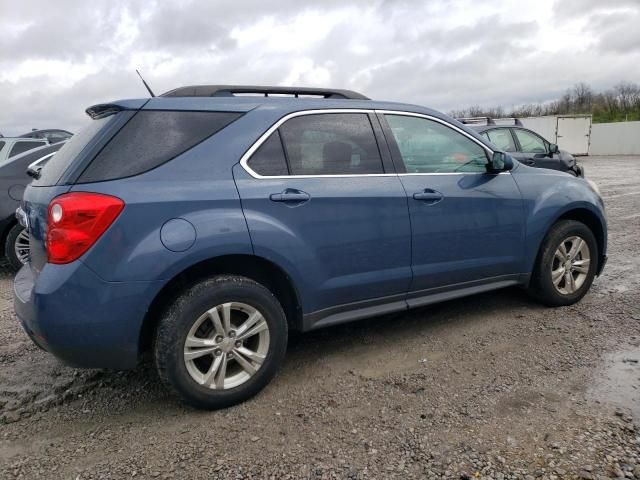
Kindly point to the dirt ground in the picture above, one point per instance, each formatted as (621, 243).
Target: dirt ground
(492, 386)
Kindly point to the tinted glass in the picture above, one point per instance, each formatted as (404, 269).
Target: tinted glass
(152, 138)
(331, 144)
(2, 144)
(501, 138)
(61, 160)
(21, 147)
(529, 142)
(269, 159)
(427, 146)
(36, 154)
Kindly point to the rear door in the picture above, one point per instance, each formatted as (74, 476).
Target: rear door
(467, 224)
(321, 198)
(47, 186)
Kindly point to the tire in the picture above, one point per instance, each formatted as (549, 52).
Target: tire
(192, 378)
(10, 247)
(550, 265)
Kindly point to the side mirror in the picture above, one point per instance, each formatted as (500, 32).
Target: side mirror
(501, 162)
(553, 148)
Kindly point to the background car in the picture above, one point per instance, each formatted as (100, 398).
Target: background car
(526, 146)
(13, 146)
(14, 241)
(52, 134)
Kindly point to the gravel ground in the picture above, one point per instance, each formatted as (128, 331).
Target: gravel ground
(493, 386)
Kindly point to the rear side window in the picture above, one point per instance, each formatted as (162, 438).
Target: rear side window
(331, 144)
(152, 138)
(269, 159)
(21, 147)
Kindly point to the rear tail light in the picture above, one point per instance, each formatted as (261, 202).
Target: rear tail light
(76, 221)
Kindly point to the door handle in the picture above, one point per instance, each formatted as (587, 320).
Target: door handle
(290, 196)
(428, 195)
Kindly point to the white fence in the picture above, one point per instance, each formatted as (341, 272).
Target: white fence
(620, 138)
(571, 132)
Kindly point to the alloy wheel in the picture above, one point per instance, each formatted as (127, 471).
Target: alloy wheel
(570, 265)
(226, 346)
(21, 247)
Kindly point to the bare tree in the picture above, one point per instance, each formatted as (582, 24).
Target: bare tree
(582, 98)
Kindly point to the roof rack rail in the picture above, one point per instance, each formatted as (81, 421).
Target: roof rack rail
(491, 121)
(266, 91)
(476, 120)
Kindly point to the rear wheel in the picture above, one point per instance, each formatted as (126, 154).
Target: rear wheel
(566, 264)
(16, 247)
(221, 342)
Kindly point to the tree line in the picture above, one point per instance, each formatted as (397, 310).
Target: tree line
(618, 104)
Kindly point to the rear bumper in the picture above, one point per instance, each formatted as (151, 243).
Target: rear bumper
(81, 319)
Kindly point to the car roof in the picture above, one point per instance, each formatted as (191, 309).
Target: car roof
(282, 105)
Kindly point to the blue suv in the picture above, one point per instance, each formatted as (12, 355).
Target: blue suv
(204, 224)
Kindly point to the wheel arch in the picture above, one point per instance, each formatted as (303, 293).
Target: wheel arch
(591, 220)
(7, 225)
(254, 267)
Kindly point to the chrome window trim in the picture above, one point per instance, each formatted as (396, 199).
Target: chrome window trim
(247, 155)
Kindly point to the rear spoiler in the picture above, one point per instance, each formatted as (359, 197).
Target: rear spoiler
(102, 110)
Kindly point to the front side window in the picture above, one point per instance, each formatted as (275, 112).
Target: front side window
(331, 144)
(501, 138)
(427, 146)
(529, 142)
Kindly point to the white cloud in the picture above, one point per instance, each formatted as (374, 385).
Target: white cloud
(443, 54)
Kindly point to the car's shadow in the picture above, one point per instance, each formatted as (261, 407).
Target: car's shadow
(337, 344)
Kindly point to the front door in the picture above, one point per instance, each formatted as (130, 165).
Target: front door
(535, 151)
(318, 200)
(467, 224)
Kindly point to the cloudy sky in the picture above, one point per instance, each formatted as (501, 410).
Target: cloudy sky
(57, 58)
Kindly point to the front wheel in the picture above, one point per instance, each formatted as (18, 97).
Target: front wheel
(566, 264)
(221, 342)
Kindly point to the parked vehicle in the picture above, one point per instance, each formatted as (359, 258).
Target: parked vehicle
(203, 226)
(526, 146)
(53, 135)
(13, 180)
(11, 147)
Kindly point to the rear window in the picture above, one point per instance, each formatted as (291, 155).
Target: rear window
(150, 139)
(21, 147)
(54, 169)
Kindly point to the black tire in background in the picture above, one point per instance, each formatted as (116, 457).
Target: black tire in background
(10, 247)
(178, 320)
(541, 286)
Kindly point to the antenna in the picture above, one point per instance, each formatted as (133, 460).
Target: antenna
(145, 84)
